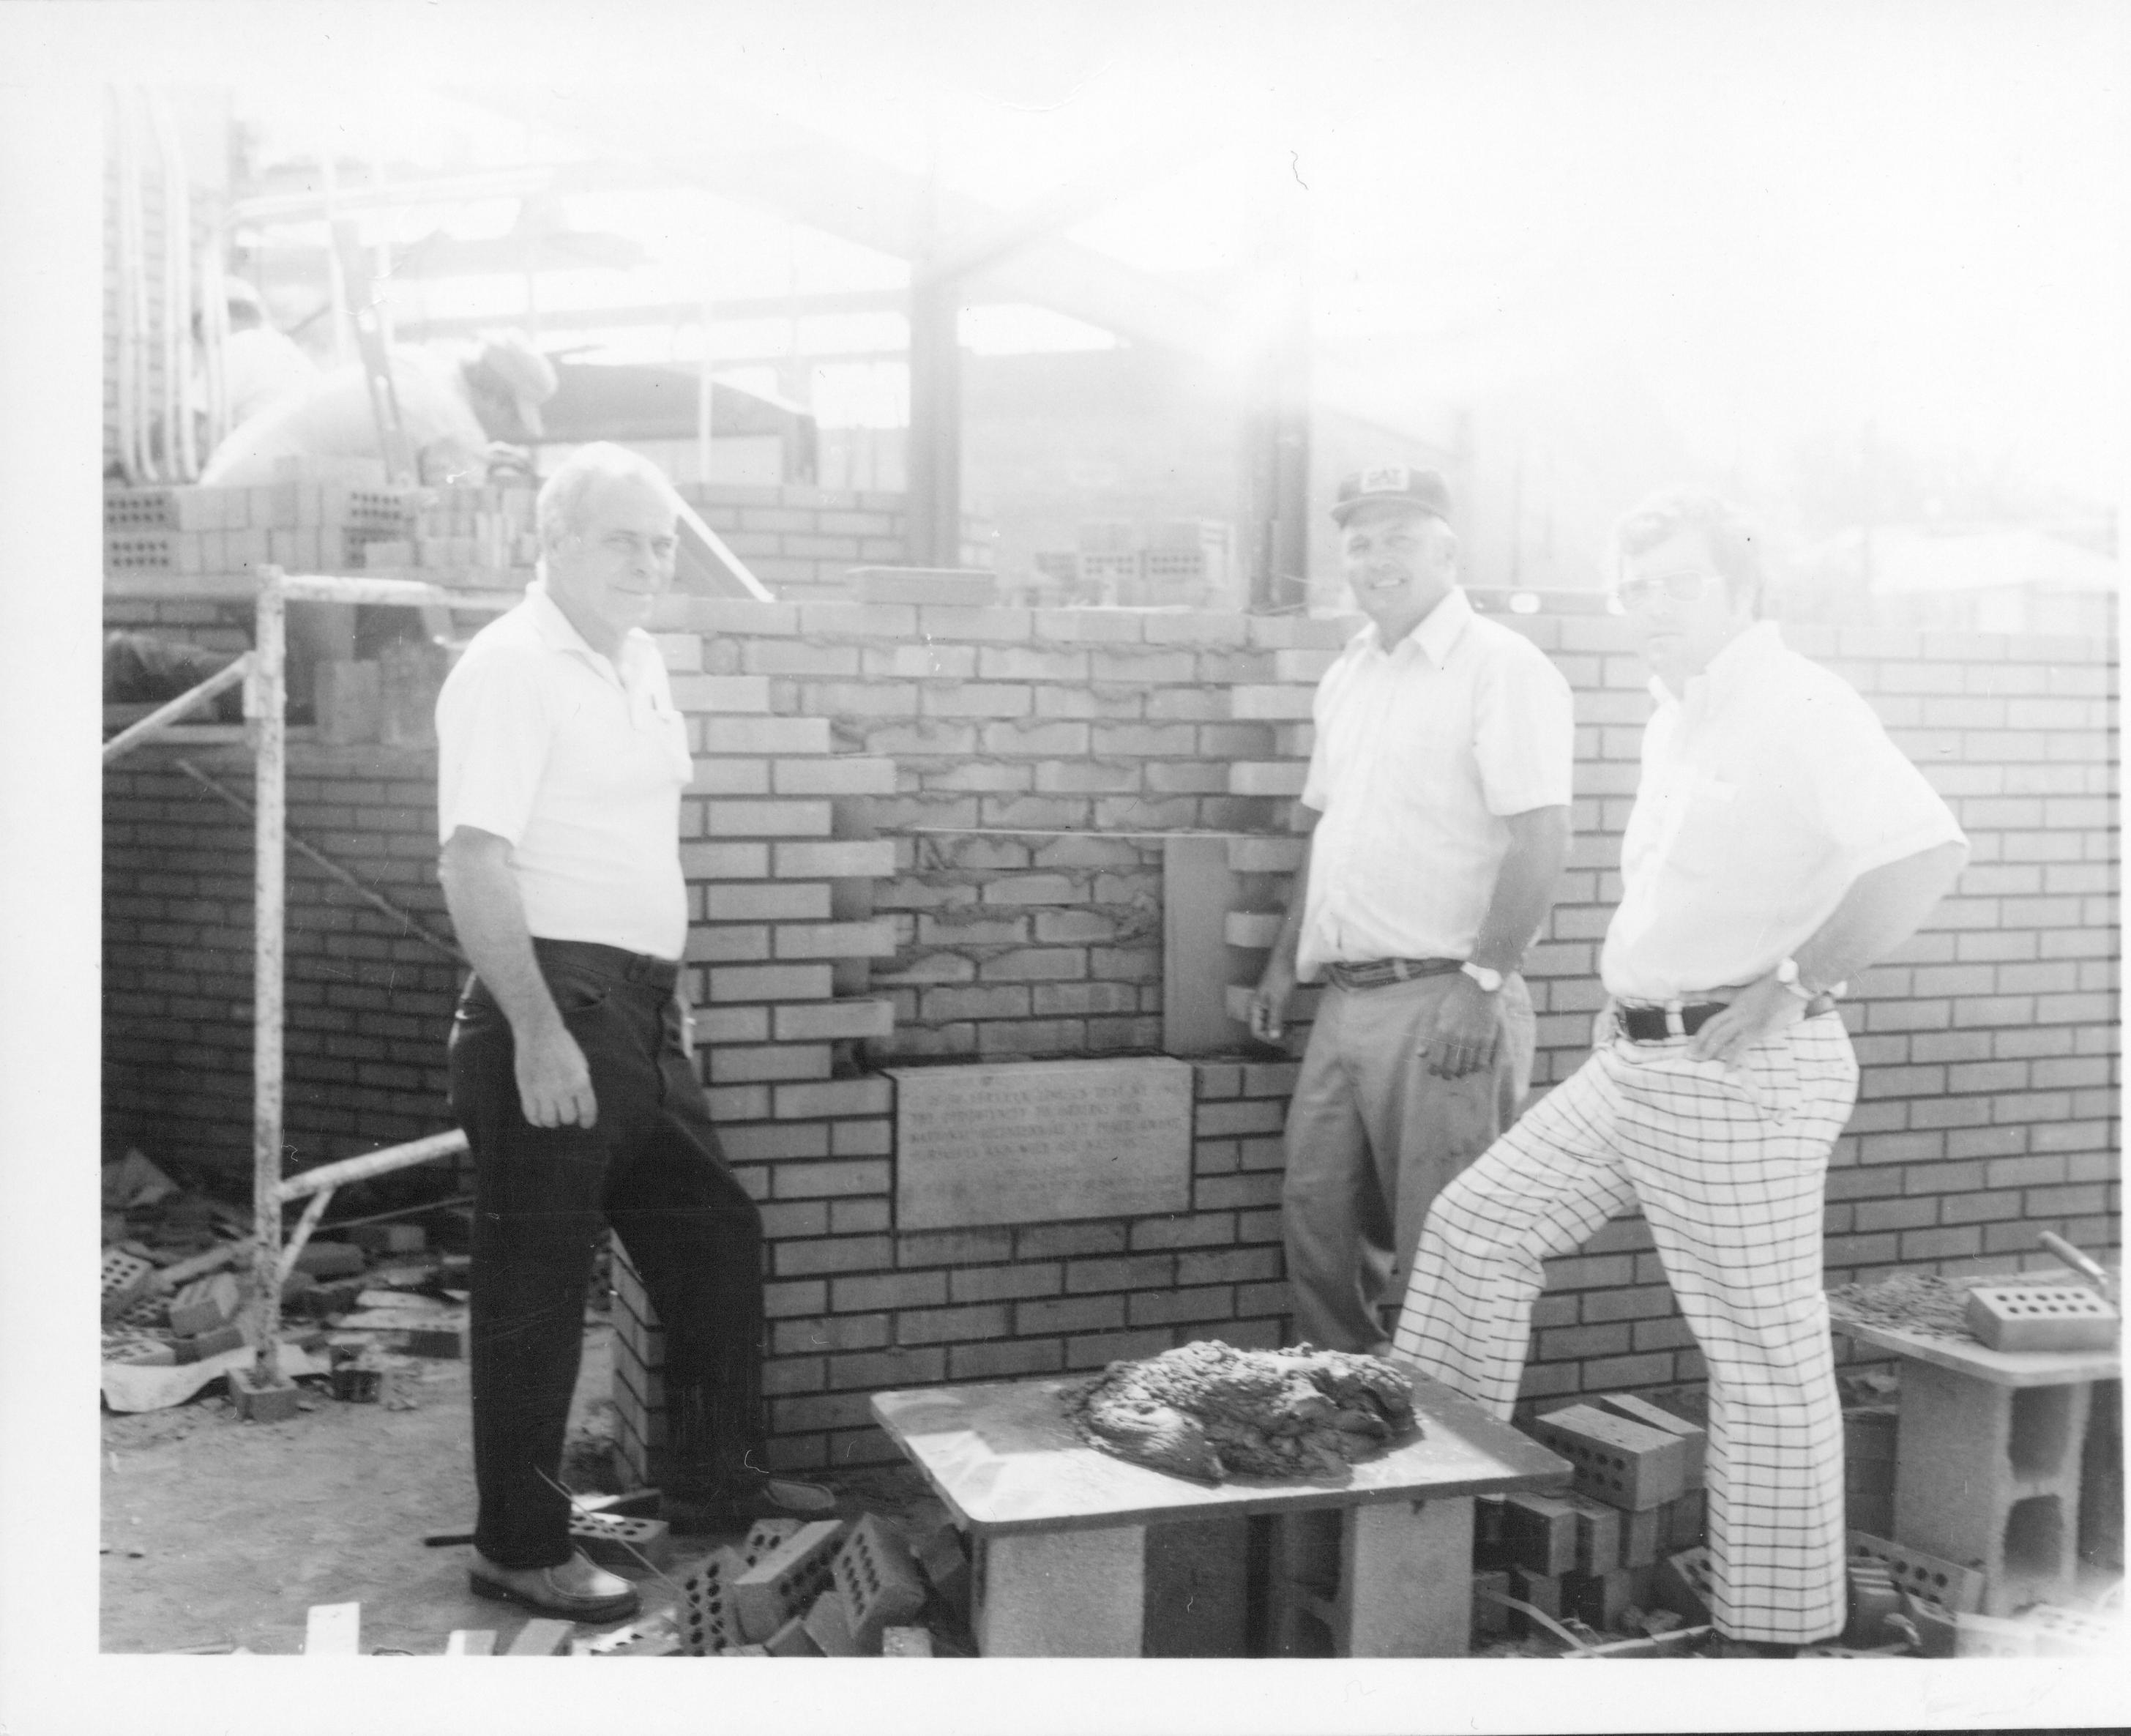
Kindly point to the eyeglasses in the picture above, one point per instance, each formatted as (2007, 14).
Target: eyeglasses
(1640, 593)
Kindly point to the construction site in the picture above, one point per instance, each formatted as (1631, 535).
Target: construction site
(1008, 435)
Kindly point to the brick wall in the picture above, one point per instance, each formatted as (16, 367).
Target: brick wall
(800, 540)
(828, 926)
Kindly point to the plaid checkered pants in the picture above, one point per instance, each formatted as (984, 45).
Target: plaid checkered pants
(1728, 1164)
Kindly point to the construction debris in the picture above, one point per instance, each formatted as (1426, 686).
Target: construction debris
(1908, 1302)
(1207, 1410)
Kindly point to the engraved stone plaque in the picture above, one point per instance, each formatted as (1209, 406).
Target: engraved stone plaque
(1030, 1141)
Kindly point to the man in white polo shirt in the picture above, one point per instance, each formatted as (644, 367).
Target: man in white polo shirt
(1437, 810)
(1779, 844)
(561, 760)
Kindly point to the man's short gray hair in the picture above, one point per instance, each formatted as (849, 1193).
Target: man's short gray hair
(560, 508)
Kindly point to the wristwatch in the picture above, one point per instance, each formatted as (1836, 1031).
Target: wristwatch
(1490, 982)
(1787, 973)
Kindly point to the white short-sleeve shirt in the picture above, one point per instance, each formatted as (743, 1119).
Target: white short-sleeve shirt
(1766, 790)
(1421, 754)
(578, 763)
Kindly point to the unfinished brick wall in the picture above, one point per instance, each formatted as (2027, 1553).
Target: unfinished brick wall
(1987, 1111)
(801, 540)
(368, 1006)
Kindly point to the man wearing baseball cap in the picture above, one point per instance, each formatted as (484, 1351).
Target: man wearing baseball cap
(1437, 814)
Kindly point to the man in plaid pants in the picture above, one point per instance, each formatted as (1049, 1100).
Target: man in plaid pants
(1779, 844)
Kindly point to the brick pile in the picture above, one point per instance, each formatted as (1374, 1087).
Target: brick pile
(802, 541)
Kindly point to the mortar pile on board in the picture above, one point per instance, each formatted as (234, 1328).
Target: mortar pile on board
(1207, 1411)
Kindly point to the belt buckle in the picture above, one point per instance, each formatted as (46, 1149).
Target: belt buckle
(1675, 1020)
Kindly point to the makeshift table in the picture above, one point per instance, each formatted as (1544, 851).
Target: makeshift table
(1988, 1453)
(1059, 1529)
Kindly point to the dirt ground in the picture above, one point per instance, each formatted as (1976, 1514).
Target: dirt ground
(219, 1533)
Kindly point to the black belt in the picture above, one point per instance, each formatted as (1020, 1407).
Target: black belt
(1654, 1024)
(616, 961)
(1376, 973)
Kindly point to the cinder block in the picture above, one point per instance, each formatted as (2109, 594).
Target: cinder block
(330, 1259)
(906, 1642)
(1598, 1529)
(1541, 1590)
(1656, 1416)
(1538, 1533)
(2041, 1317)
(1597, 1598)
(1685, 1519)
(1491, 1617)
(613, 1540)
(206, 1304)
(446, 1341)
(470, 1642)
(878, 1583)
(1626, 1464)
(257, 1403)
(945, 1558)
(541, 1637)
(1489, 1550)
(788, 1580)
(1642, 1537)
(1681, 1584)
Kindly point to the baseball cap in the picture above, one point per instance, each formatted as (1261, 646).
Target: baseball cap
(1415, 486)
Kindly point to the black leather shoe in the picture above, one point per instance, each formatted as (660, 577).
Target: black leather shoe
(577, 1591)
(770, 1498)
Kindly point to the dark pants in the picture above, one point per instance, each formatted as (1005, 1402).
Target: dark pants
(649, 1167)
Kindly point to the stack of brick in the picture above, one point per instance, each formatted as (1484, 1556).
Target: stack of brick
(1165, 563)
(1593, 1552)
(312, 519)
(480, 536)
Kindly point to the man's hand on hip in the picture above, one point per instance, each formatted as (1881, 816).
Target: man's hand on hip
(1758, 1013)
(1467, 1031)
(554, 1084)
(1269, 1003)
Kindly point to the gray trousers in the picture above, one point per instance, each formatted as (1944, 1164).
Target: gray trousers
(1372, 1137)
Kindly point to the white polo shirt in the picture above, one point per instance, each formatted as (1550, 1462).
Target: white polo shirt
(1766, 790)
(579, 763)
(1421, 752)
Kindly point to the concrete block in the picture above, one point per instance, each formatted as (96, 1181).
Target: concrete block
(258, 1403)
(446, 1340)
(944, 1559)
(330, 1259)
(1541, 1590)
(1685, 1520)
(2042, 1317)
(906, 1642)
(333, 1630)
(1491, 1616)
(1062, 1594)
(1598, 1529)
(390, 1238)
(828, 1624)
(1402, 1591)
(1642, 1537)
(708, 1621)
(1627, 1464)
(470, 1642)
(1656, 1416)
(878, 1583)
(1488, 1533)
(1597, 1598)
(1681, 1584)
(542, 1636)
(206, 1304)
(614, 1541)
(1196, 1577)
(1538, 1533)
(786, 1580)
